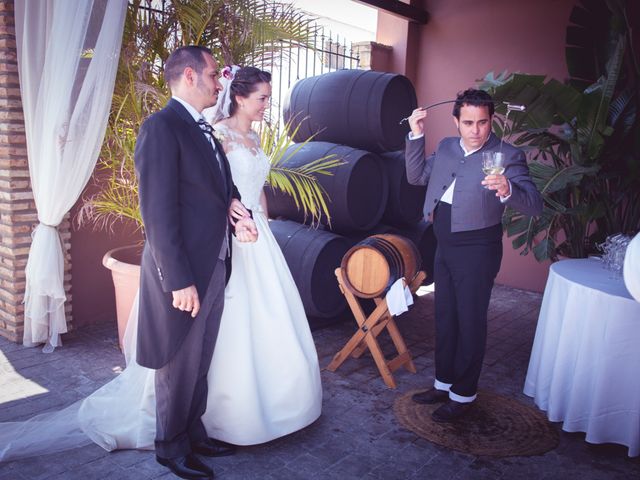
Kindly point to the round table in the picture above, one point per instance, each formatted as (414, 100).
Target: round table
(584, 368)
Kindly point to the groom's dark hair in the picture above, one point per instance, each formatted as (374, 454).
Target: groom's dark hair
(189, 56)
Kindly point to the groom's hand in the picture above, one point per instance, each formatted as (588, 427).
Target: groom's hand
(187, 300)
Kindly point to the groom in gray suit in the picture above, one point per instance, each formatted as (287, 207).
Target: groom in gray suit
(466, 207)
(187, 196)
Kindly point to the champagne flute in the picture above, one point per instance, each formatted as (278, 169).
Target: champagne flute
(492, 163)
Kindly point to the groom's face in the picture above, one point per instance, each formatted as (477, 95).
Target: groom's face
(208, 86)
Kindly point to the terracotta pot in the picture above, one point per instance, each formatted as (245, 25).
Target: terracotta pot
(124, 263)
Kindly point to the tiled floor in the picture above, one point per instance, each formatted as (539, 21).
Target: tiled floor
(357, 437)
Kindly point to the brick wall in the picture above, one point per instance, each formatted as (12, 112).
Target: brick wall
(17, 208)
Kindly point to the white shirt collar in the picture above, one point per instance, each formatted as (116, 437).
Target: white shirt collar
(469, 152)
(190, 108)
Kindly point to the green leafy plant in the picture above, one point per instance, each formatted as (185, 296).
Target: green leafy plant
(582, 144)
(300, 183)
(242, 32)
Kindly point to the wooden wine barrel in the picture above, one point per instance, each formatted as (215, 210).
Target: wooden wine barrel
(425, 241)
(374, 264)
(405, 201)
(359, 108)
(312, 256)
(357, 190)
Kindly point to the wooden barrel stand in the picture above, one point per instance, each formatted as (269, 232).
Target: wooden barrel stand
(363, 275)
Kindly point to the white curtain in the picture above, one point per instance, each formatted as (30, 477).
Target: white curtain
(67, 58)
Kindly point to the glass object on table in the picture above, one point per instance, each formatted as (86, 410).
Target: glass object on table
(613, 251)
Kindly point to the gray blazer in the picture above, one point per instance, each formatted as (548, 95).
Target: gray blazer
(474, 207)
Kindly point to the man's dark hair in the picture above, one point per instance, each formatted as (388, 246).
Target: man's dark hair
(189, 56)
(475, 98)
(245, 82)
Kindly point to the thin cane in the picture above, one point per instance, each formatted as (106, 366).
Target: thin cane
(511, 107)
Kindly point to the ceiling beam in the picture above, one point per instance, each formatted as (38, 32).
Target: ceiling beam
(400, 9)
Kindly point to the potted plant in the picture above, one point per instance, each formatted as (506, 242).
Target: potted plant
(239, 31)
(580, 137)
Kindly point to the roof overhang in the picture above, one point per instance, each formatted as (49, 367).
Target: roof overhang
(399, 9)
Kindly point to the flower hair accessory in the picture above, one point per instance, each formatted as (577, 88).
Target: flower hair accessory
(220, 110)
(229, 71)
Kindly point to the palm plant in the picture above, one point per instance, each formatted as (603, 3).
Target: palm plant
(299, 183)
(581, 142)
(242, 32)
(238, 32)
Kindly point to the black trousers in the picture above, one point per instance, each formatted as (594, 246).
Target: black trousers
(181, 385)
(465, 267)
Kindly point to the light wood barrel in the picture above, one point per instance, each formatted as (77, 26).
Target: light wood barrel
(374, 264)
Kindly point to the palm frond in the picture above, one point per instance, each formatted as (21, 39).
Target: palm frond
(194, 17)
(298, 182)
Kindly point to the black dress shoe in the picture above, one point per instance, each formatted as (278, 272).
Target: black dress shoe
(213, 448)
(189, 467)
(194, 462)
(431, 396)
(450, 411)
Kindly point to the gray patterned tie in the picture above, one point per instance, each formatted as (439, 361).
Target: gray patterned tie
(207, 129)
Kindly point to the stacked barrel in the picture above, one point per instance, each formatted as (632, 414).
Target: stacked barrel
(355, 115)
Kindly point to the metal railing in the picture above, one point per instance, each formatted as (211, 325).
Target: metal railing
(330, 53)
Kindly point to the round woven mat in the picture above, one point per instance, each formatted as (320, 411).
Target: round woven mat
(495, 426)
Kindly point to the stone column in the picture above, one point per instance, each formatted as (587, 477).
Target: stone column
(18, 214)
(373, 55)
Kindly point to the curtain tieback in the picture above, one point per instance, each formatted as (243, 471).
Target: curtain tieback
(47, 225)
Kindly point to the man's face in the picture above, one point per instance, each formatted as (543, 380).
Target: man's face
(207, 85)
(474, 126)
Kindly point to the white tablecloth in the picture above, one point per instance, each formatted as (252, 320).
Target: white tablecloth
(584, 368)
(632, 268)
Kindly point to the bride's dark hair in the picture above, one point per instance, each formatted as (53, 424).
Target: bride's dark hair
(245, 82)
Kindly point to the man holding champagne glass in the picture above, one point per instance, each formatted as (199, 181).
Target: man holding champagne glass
(465, 199)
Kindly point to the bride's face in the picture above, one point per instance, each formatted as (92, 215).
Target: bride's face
(256, 103)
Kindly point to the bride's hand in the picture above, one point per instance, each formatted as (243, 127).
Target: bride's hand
(237, 211)
(246, 230)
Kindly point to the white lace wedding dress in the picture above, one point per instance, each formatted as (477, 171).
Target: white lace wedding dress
(264, 380)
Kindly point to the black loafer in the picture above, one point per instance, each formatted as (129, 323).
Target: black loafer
(430, 397)
(213, 448)
(186, 467)
(450, 411)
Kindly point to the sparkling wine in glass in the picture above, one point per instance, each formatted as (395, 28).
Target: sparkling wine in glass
(492, 163)
(492, 170)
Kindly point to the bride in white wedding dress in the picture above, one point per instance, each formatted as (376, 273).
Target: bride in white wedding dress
(264, 380)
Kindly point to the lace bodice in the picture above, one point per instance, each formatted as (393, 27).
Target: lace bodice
(249, 164)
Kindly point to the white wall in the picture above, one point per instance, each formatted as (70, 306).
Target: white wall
(354, 21)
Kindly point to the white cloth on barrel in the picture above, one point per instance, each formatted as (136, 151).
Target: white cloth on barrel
(399, 298)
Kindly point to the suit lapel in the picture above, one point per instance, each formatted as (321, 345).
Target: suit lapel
(206, 153)
(227, 167)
